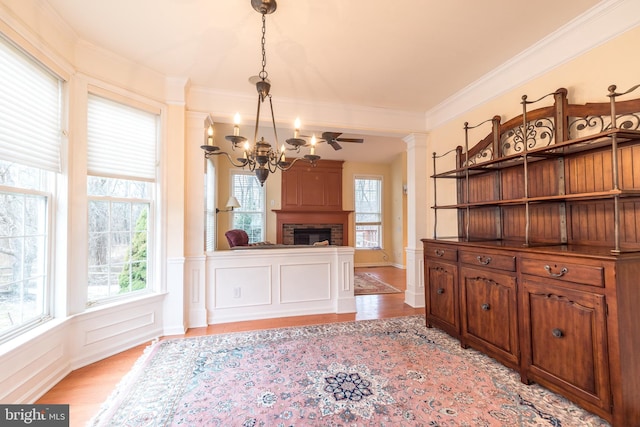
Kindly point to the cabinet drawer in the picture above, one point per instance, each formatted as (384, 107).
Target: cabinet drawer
(501, 262)
(442, 252)
(583, 274)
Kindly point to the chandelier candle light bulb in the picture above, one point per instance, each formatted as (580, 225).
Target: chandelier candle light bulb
(210, 135)
(296, 132)
(246, 149)
(236, 124)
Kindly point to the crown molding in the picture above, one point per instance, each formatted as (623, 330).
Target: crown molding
(603, 22)
(376, 121)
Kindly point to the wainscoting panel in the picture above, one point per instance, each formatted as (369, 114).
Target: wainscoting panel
(305, 282)
(35, 363)
(37, 360)
(278, 281)
(242, 286)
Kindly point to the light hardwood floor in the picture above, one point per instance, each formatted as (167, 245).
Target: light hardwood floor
(85, 389)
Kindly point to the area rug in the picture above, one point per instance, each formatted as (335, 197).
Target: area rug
(392, 372)
(369, 284)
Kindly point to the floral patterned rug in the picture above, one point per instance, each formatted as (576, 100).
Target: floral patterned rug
(391, 372)
(369, 284)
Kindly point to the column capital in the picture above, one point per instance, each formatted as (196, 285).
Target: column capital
(416, 140)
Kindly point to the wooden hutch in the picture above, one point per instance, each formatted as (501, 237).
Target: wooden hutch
(544, 273)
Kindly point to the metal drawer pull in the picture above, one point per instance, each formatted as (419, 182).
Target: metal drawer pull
(485, 307)
(484, 260)
(439, 252)
(557, 333)
(440, 291)
(564, 271)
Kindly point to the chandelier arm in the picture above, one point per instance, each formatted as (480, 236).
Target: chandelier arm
(243, 163)
(255, 133)
(273, 167)
(252, 165)
(273, 121)
(290, 164)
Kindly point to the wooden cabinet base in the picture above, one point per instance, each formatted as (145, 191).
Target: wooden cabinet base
(565, 318)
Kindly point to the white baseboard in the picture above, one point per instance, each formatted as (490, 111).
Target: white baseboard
(379, 264)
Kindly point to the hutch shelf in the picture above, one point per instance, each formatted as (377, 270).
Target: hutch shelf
(543, 274)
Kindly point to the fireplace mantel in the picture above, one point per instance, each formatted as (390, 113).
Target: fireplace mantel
(312, 218)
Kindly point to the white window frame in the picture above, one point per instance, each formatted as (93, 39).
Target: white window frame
(46, 139)
(150, 200)
(242, 210)
(380, 223)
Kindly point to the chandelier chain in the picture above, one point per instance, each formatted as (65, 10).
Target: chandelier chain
(263, 74)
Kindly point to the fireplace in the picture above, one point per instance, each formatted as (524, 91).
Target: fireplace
(309, 236)
(312, 199)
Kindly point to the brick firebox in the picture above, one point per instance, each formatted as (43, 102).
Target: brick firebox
(338, 221)
(288, 232)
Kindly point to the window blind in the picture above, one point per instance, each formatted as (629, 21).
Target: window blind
(121, 140)
(30, 111)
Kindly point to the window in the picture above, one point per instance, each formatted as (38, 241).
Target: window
(121, 147)
(30, 121)
(250, 216)
(368, 212)
(210, 220)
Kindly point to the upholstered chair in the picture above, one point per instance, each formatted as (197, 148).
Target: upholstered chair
(237, 237)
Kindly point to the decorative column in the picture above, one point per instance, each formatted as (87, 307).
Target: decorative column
(195, 273)
(172, 164)
(417, 207)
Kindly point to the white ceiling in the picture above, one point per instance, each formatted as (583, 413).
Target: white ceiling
(404, 55)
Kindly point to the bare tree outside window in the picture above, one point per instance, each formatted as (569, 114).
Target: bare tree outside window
(368, 212)
(118, 235)
(23, 243)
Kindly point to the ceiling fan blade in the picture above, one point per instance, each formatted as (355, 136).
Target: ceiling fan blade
(350, 139)
(330, 135)
(335, 145)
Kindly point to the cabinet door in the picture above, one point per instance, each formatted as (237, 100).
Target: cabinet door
(441, 296)
(566, 345)
(488, 306)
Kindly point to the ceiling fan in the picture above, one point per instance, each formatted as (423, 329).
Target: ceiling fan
(332, 139)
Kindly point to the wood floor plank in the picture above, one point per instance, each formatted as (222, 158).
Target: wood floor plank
(85, 389)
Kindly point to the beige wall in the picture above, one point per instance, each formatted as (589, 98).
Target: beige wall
(587, 78)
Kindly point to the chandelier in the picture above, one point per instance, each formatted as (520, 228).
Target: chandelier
(260, 157)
